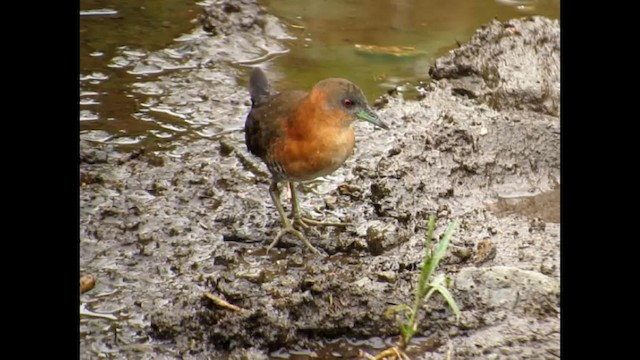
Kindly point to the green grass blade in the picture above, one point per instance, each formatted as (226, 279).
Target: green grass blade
(425, 273)
(424, 289)
(429, 293)
(432, 262)
(444, 243)
(447, 296)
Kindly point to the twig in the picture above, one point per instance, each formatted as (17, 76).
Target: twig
(391, 353)
(222, 303)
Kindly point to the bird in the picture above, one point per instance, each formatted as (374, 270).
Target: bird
(301, 136)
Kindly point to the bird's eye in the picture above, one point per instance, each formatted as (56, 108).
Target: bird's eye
(347, 103)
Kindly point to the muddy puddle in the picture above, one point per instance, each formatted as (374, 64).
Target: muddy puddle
(164, 229)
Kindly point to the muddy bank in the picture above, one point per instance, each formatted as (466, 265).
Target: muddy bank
(481, 145)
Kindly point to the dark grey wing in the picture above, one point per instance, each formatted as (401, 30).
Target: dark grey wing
(264, 122)
(257, 133)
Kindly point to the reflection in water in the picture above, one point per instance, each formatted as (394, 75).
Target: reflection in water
(328, 32)
(98, 12)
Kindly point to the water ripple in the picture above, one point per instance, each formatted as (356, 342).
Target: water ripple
(88, 115)
(98, 12)
(95, 135)
(127, 140)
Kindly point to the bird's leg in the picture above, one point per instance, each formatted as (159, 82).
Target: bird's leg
(304, 221)
(286, 224)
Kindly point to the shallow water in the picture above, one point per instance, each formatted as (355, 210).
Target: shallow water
(399, 39)
(107, 30)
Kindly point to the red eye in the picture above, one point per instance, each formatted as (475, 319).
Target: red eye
(347, 103)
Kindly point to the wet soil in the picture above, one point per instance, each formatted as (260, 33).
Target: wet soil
(480, 145)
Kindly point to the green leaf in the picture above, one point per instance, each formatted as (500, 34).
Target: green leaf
(404, 330)
(427, 269)
(447, 296)
(429, 293)
(444, 243)
(432, 262)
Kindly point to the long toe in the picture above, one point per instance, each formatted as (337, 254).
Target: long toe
(304, 222)
(296, 233)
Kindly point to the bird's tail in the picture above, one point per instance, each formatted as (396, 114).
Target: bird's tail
(258, 85)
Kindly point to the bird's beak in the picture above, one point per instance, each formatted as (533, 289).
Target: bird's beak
(368, 115)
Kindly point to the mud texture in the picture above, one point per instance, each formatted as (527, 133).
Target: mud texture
(159, 229)
(513, 79)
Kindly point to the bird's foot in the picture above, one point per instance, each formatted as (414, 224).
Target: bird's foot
(305, 222)
(290, 230)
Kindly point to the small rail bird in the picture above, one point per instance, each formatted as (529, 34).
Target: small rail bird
(303, 135)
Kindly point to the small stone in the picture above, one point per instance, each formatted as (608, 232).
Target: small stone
(537, 225)
(461, 252)
(375, 237)
(254, 275)
(387, 276)
(547, 269)
(485, 251)
(330, 202)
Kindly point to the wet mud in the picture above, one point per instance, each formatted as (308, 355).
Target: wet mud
(480, 145)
